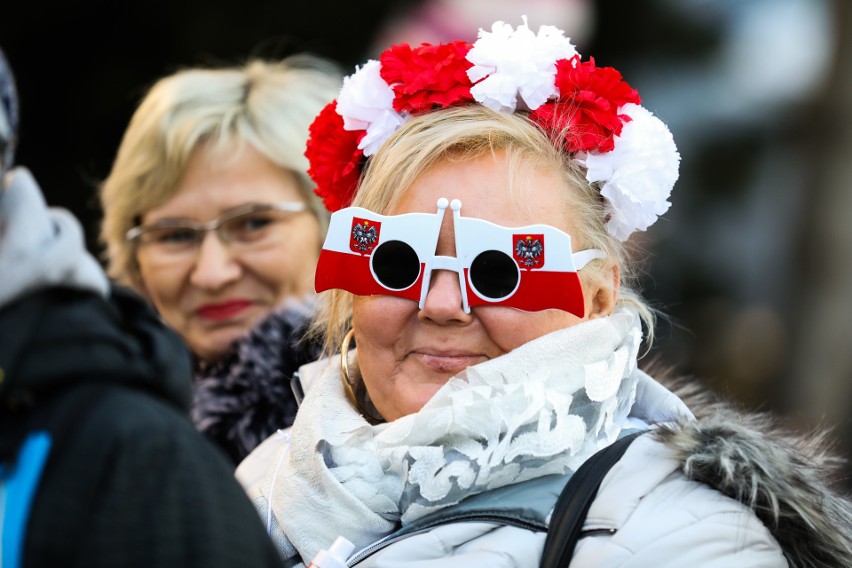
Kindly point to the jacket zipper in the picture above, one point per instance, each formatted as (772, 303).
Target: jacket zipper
(597, 532)
(391, 539)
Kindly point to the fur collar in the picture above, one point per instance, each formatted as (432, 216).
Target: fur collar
(784, 477)
(245, 397)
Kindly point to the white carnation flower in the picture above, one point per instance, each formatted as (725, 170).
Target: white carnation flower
(638, 174)
(366, 103)
(380, 130)
(508, 63)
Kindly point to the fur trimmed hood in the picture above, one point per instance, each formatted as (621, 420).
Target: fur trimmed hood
(245, 397)
(785, 477)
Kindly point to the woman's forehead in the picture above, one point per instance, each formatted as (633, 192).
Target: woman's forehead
(492, 187)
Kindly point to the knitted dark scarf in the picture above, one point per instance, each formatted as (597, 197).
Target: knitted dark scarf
(245, 397)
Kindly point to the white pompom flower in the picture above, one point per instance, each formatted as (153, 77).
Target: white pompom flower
(638, 174)
(366, 103)
(509, 63)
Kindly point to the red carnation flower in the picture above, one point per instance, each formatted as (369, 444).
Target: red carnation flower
(587, 108)
(334, 157)
(427, 76)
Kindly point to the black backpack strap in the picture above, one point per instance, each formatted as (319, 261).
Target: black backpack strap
(574, 502)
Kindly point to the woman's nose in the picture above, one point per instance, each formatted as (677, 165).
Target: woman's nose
(443, 302)
(215, 265)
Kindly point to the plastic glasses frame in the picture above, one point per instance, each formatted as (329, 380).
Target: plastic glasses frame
(135, 234)
(370, 262)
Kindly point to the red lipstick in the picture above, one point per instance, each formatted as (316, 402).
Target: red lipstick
(223, 310)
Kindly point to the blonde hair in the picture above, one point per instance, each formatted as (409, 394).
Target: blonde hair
(467, 132)
(267, 105)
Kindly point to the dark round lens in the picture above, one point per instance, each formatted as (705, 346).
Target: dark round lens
(494, 274)
(395, 265)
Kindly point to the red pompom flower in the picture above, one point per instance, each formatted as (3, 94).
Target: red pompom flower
(427, 77)
(587, 108)
(334, 157)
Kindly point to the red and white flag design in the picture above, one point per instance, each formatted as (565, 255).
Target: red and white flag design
(528, 268)
(546, 273)
(354, 234)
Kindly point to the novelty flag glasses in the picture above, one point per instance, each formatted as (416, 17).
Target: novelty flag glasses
(528, 268)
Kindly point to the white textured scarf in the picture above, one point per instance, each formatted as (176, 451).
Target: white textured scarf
(543, 408)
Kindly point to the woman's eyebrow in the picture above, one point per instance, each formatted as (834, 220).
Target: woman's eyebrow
(183, 219)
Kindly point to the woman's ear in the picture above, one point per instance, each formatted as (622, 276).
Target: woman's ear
(603, 295)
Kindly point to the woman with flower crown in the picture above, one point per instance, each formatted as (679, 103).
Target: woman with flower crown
(482, 195)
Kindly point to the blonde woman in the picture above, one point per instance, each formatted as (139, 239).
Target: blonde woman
(210, 215)
(477, 266)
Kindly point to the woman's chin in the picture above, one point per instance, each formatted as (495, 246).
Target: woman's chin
(216, 345)
(414, 397)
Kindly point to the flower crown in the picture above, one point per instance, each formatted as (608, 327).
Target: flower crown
(625, 150)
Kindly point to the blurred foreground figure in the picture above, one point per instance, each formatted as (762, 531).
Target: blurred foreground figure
(99, 463)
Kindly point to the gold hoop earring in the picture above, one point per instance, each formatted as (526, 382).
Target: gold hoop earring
(362, 403)
(344, 367)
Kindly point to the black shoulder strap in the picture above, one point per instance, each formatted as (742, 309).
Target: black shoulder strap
(574, 502)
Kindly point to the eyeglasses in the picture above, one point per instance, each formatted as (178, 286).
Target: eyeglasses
(530, 268)
(244, 226)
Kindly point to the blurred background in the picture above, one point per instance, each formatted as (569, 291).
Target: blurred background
(753, 263)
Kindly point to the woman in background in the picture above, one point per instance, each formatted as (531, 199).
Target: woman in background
(209, 214)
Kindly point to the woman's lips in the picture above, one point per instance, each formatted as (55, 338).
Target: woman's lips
(448, 362)
(223, 310)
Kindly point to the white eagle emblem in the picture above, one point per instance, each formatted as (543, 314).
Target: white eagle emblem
(528, 251)
(364, 238)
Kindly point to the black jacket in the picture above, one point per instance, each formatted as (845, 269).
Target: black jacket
(128, 481)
